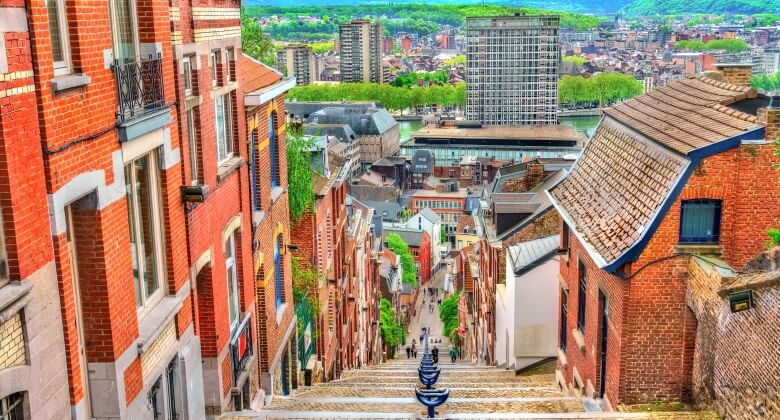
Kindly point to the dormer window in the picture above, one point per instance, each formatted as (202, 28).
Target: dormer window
(700, 222)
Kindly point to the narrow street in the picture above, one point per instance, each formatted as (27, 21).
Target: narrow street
(386, 391)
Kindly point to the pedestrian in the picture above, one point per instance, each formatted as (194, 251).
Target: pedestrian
(453, 354)
(439, 301)
(422, 335)
(414, 351)
(435, 354)
(408, 352)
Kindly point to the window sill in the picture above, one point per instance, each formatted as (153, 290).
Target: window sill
(698, 249)
(227, 167)
(280, 313)
(13, 296)
(579, 338)
(191, 102)
(276, 192)
(69, 81)
(151, 324)
(220, 90)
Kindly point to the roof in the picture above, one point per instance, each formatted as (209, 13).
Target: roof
(343, 132)
(390, 161)
(640, 157)
(412, 237)
(254, 75)
(429, 214)
(502, 132)
(392, 208)
(371, 193)
(422, 161)
(370, 121)
(461, 193)
(304, 109)
(687, 114)
(527, 254)
(465, 222)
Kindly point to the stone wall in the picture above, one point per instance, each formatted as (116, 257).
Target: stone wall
(735, 365)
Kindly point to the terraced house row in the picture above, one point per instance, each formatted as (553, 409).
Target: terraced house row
(145, 249)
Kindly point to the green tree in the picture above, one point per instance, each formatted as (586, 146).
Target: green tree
(393, 333)
(576, 59)
(396, 244)
(255, 43)
(300, 189)
(768, 83)
(448, 313)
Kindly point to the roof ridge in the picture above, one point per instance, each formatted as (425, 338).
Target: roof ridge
(734, 113)
(722, 84)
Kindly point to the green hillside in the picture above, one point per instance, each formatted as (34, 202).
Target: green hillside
(677, 7)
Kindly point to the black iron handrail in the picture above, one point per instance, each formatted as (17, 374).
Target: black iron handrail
(139, 86)
(241, 348)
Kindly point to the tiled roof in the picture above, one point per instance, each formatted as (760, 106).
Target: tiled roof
(687, 114)
(254, 75)
(619, 188)
(465, 222)
(412, 237)
(616, 188)
(525, 254)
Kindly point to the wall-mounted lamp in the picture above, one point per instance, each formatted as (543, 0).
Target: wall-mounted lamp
(741, 301)
(193, 193)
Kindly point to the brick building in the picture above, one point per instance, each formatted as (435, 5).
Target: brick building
(419, 243)
(264, 91)
(699, 181)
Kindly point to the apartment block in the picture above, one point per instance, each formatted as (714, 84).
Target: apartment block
(297, 60)
(360, 49)
(512, 72)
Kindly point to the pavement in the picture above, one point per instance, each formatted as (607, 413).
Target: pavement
(386, 391)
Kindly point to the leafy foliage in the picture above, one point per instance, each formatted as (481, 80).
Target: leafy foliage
(672, 7)
(766, 82)
(392, 97)
(300, 185)
(438, 77)
(321, 47)
(729, 45)
(255, 43)
(448, 313)
(609, 87)
(456, 61)
(397, 245)
(393, 333)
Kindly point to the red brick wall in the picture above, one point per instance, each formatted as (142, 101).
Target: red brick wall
(133, 381)
(650, 329)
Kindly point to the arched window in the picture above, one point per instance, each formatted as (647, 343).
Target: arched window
(274, 150)
(278, 272)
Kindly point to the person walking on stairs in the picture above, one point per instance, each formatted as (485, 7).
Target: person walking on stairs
(453, 354)
(435, 354)
(408, 352)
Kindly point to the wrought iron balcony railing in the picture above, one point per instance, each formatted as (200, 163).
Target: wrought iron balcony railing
(241, 348)
(139, 86)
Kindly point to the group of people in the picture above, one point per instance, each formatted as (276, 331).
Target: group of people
(433, 293)
(411, 351)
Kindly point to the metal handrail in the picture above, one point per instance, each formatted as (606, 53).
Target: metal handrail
(139, 86)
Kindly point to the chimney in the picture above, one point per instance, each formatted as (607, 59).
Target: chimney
(770, 118)
(736, 73)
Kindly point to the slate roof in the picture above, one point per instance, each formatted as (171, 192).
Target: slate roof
(687, 114)
(526, 254)
(429, 214)
(371, 193)
(412, 237)
(371, 121)
(629, 172)
(392, 208)
(422, 161)
(343, 132)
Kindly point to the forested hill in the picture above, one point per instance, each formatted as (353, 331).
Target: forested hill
(677, 7)
(582, 6)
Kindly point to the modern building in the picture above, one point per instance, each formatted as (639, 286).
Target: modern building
(360, 49)
(297, 60)
(512, 72)
(684, 172)
(512, 144)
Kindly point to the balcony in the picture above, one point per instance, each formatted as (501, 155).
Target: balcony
(141, 96)
(241, 349)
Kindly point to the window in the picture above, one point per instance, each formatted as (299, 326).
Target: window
(123, 30)
(174, 390)
(12, 407)
(581, 295)
(700, 222)
(564, 310)
(215, 61)
(273, 150)
(188, 61)
(156, 400)
(58, 32)
(232, 280)
(192, 138)
(143, 208)
(231, 65)
(254, 178)
(224, 123)
(278, 274)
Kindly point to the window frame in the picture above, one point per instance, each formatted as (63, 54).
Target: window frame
(192, 138)
(232, 283)
(61, 67)
(279, 272)
(564, 324)
(230, 60)
(133, 23)
(7, 404)
(187, 69)
(227, 109)
(582, 294)
(273, 149)
(214, 61)
(147, 300)
(698, 204)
